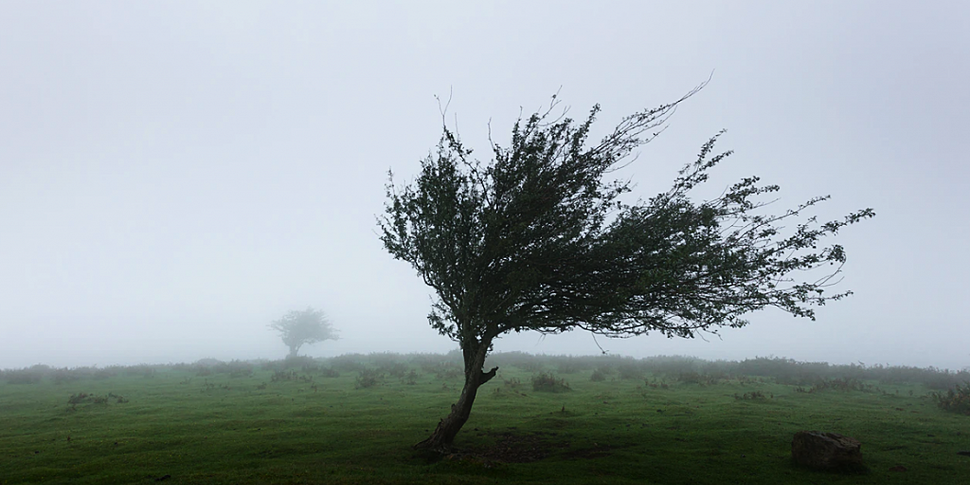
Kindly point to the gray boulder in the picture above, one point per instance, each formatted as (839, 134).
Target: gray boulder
(826, 451)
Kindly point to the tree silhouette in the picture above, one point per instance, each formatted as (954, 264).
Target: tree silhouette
(306, 327)
(537, 239)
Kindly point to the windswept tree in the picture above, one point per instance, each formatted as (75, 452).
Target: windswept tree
(306, 327)
(539, 239)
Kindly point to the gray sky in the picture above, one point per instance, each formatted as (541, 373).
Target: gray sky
(176, 175)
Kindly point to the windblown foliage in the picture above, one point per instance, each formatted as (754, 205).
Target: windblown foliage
(540, 239)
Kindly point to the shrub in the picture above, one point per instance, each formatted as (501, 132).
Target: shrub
(368, 378)
(280, 375)
(238, 368)
(691, 377)
(509, 387)
(412, 378)
(31, 375)
(630, 371)
(445, 371)
(548, 383)
(655, 384)
(78, 398)
(955, 400)
(844, 384)
(393, 369)
(753, 396)
(598, 375)
(348, 363)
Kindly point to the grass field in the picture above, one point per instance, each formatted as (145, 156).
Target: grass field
(352, 419)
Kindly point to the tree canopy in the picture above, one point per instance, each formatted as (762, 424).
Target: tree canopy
(309, 326)
(540, 238)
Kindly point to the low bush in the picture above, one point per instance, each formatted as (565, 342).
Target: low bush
(955, 400)
(599, 374)
(753, 396)
(368, 378)
(348, 362)
(411, 378)
(545, 382)
(394, 369)
(30, 375)
(844, 384)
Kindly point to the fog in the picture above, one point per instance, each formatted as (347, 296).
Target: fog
(176, 175)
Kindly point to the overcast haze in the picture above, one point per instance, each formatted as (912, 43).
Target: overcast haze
(176, 175)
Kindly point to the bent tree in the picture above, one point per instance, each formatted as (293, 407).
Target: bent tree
(539, 239)
(297, 328)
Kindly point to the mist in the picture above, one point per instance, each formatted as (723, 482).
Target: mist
(176, 176)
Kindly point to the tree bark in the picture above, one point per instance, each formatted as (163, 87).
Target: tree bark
(444, 434)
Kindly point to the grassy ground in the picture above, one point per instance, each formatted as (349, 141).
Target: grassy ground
(241, 423)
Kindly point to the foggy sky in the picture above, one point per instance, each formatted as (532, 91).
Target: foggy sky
(176, 175)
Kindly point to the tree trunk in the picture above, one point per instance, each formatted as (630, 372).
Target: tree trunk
(444, 434)
(293, 350)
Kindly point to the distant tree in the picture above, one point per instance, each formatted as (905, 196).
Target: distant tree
(306, 327)
(536, 239)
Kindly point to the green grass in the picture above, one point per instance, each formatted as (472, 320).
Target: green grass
(251, 429)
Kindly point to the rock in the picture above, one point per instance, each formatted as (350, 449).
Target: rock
(964, 452)
(826, 451)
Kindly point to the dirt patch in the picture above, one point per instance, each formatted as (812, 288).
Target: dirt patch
(509, 447)
(512, 447)
(523, 447)
(596, 451)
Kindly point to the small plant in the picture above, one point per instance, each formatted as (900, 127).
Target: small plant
(510, 387)
(657, 384)
(844, 384)
(691, 377)
(753, 396)
(82, 397)
(394, 369)
(545, 382)
(955, 400)
(368, 378)
(76, 399)
(600, 374)
(282, 375)
(411, 378)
